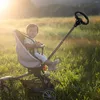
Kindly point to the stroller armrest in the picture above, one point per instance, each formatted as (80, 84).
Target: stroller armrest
(43, 45)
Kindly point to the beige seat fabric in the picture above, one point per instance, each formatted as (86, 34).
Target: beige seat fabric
(24, 57)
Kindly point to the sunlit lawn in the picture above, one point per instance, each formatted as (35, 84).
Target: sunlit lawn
(78, 54)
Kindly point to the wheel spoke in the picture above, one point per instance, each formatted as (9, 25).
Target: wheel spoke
(49, 95)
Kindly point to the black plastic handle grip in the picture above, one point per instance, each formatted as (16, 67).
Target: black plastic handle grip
(79, 20)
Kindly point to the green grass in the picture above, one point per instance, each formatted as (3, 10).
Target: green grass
(79, 71)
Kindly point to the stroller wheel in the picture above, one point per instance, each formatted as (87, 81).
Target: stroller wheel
(49, 94)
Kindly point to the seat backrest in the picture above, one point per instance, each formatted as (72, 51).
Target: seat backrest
(20, 36)
(24, 57)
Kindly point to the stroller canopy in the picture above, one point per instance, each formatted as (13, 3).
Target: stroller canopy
(24, 57)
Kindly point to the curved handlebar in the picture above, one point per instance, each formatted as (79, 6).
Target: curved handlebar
(79, 20)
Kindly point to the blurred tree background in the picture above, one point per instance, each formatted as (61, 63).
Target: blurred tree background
(27, 8)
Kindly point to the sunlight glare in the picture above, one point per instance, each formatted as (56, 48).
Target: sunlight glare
(3, 5)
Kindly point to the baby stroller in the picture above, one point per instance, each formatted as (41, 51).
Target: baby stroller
(35, 67)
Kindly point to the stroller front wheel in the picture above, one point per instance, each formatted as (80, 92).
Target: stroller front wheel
(49, 94)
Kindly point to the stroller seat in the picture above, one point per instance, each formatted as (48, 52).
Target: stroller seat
(24, 56)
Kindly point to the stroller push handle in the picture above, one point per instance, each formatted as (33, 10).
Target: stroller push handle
(79, 20)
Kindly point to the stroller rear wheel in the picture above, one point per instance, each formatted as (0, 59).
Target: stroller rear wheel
(49, 94)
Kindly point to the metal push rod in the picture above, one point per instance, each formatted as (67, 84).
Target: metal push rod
(58, 46)
(79, 21)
